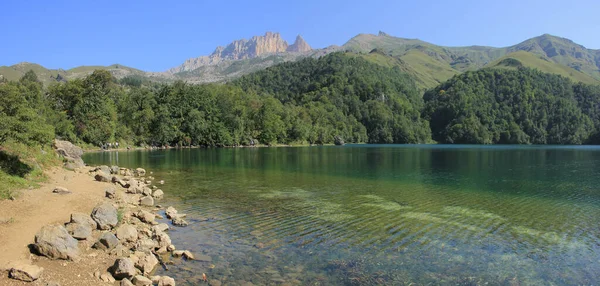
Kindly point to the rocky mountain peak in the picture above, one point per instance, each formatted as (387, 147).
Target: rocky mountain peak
(300, 45)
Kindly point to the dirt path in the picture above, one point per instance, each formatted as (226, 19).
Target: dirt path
(22, 218)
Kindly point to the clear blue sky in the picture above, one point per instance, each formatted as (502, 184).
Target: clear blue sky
(156, 35)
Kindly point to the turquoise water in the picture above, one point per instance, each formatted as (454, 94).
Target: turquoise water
(382, 214)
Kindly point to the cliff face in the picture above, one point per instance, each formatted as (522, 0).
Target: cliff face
(257, 46)
(300, 45)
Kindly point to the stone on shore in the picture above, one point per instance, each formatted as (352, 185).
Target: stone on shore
(25, 272)
(85, 219)
(79, 231)
(166, 281)
(61, 190)
(55, 242)
(123, 268)
(126, 282)
(127, 232)
(161, 227)
(146, 263)
(140, 172)
(114, 170)
(147, 201)
(102, 177)
(145, 216)
(71, 154)
(188, 255)
(107, 241)
(105, 215)
(158, 194)
(140, 280)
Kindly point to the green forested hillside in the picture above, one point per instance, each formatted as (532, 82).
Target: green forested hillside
(521, 106)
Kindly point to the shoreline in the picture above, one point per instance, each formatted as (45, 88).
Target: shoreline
(86, 188)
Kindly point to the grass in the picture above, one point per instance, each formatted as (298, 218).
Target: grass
(543, 64)
(23, 166)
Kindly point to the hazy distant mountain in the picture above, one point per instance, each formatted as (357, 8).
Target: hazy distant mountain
(427, 63)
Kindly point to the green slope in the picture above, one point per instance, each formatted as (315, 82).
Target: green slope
(530, 60)
(47, 76)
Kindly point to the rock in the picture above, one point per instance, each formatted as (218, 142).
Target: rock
(178, 221)
(102, 177)
(55, 242)
(139, 172)
(188, 255)
(145, 216)
(146, 263)
(127, 232)
(123, 268)
(110, 193)
(161, 227)
(70, 153)
(170, 212)
(166, 281)
(79, 231)
(178, 253)
(162, 182)
(338, 140)
(105, 215)
(147, 201)
(107, 241)
(145, 244)
(158, 194)
(114, 170)
(104, 169)
(25, 272)
(162, 239)
(140, 280)
(85, 219)
(171, 248)
(146, 191)
(106, 277)
(61, 190)
(120, 250)
(126, 282)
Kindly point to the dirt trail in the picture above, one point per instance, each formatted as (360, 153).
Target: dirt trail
(22, 218)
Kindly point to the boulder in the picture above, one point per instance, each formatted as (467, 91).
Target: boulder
(179, 221)
(162, 239)
(79, 231)
(55, 242)
(147, 201)
(145, 216)
(171, 248)
(107, 241)
(140, 172)
(145, 244)
(114, 170)
(110, 193)
(146, 263)
(166, 281)
(102, 177)
(126, 282)
(73, 163)
(67, 149)
(161, 227)
(104, 169)
(127, 232)
(178, 253)
(85, 219)
(140, 280)
(25, 272)
(146, 191)
(123, 268)
(158, 194)
(170, 212)
(61, 191)
(105, 215)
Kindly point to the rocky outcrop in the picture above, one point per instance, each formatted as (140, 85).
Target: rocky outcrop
(55, 242)
(71, 154)
(105, 215)
(299, 46)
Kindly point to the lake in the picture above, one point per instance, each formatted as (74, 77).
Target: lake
(382, 214)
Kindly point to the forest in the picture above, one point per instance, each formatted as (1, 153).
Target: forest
(311, 101)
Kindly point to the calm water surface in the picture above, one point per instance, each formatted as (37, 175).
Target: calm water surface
(387, 215)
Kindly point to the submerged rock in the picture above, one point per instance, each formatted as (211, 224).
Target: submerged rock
(179, 221)
(55, 242)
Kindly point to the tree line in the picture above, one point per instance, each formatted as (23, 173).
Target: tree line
(311, 101)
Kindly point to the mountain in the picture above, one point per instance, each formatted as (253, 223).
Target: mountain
(299, 46)
(47, 76)
(432, 64)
